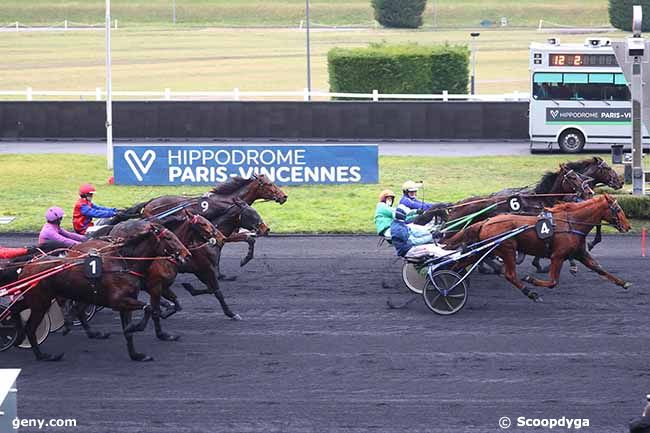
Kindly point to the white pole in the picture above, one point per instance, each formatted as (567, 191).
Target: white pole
(109, 89)
(308, 50)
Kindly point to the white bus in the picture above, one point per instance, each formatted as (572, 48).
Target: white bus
(578, 97)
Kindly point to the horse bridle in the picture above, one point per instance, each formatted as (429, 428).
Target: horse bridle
(585, 180)
(208, 239)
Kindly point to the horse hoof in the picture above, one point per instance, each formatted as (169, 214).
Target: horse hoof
(167, 337)
(226, 278)
(627, 285)
(141, 357)
(534, 297)
(65, 331)
(236, 317)
(528, 279)
(573, 270)
(50, 358)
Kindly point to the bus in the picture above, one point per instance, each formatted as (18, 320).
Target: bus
(579, 96)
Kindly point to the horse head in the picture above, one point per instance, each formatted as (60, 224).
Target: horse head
(615, 215)
(602, 173)
(250, 219)
(206, 230)
(267, 190)
(572, 181)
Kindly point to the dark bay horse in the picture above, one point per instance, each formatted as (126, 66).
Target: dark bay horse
(206, 264)
(122, 269)
(198, 235)
(573, 221)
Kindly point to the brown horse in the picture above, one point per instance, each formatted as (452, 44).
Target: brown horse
(117, 286)
(205, 265)
(198, 235)
(572, 222)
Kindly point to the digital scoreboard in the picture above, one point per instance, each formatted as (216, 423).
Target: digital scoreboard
(588, 60)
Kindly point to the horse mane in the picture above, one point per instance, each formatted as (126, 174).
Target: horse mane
(230, 186)
(581, 165)
(546, 183)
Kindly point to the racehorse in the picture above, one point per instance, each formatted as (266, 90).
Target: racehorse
(205, 265)
(213, 205)
(117, 285)
(198, 235)
(572, 222)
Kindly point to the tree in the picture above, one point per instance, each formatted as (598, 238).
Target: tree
(399, 13)
(620, 13)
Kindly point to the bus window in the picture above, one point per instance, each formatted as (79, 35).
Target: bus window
(580, 86)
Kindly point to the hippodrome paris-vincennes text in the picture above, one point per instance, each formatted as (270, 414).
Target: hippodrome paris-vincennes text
(278, 164)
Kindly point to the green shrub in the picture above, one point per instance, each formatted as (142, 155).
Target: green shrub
(399, 13)
(399, 69)
(635, 206)
(620, 13)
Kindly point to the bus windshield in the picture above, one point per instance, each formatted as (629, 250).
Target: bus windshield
(580, 86)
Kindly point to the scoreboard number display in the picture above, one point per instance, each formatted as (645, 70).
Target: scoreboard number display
(590, 60)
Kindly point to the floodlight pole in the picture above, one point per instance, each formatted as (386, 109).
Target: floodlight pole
(174, 11)
(308, 52)
(638, 175)
(109, 96)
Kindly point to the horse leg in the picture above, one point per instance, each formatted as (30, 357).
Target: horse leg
(586, 259)
(597, 239)
(175, 306)
(538, 267)
(250, 240)
(154, 293)
(81, 315)
(125, 317)
(130, 304)
(489, 267)
(209, 277)
(510, 273)
(554, 274)
(222, 277)
(37, 313)
(68, 306)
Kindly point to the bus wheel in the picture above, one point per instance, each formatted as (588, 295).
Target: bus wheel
(571, 141)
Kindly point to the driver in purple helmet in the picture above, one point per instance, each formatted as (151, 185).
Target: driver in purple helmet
(53, 234)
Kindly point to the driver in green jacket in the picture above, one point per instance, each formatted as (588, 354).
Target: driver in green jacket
(384, 213)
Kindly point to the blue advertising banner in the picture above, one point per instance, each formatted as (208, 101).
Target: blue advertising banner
(290, 164)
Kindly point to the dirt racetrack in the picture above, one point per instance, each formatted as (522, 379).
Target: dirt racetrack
(318, 351)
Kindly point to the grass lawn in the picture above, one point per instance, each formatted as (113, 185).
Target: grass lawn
(446, 13)
(29, 184)
(211, 59)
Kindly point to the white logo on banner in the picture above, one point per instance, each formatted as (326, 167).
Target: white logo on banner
(554, 113)
(140, 165)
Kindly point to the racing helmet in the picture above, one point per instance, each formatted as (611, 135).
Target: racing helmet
(400, 212)
(409, 185)
(385, 194)
(54, 214)
(86, 188)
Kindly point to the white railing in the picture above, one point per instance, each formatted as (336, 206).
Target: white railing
(236, 95)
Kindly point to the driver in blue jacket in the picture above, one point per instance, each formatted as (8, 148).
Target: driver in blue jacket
(409, 197)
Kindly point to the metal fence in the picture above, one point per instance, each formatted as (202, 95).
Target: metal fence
(236, 94)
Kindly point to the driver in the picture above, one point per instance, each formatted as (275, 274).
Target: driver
(412, 240)
(85, 210)
(53, 234)
(409, 197)
(384, 213)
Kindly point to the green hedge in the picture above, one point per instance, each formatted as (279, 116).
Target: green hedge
(399, 69)
(399, 13)
(635, 206)
(620, 13)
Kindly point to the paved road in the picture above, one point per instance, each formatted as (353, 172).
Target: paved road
(318, 351)
(402, 148)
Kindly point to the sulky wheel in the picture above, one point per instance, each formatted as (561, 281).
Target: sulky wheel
(441, 296)
(56, 316)
(413, 279)
(8, 331)
(42, 331)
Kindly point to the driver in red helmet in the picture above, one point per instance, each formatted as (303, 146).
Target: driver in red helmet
(85, 210)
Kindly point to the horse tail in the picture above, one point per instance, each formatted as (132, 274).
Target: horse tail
(466, 236)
